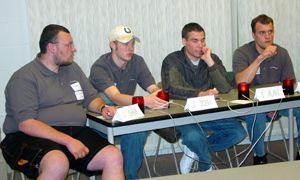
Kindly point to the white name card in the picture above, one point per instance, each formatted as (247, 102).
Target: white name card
(297, 88)
(128, 113)
(269, 93)
(201, 103)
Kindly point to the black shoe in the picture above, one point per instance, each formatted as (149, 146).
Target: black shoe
(298, 156)
(260, 160)
(168, 134)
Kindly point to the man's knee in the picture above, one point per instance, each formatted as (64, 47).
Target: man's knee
(240, 131)
(115, 155)
(55, 157)
(108, 156)
(195, 135)
(54, 161)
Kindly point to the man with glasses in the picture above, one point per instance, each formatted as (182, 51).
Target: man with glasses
(45, 124)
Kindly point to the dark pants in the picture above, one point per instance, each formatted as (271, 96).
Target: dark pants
(24, 153)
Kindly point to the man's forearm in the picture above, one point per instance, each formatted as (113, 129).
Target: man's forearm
(35, 128)
(96, 105)
(249, 73)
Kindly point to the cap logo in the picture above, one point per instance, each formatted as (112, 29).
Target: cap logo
(129, 31)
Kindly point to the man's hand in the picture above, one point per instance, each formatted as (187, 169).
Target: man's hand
(269, 52)
(214, 92)
(152, 101)
(206, 56)
(271, 114)
(77, 148)
(109, 111)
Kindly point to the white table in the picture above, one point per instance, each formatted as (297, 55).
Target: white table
(159, 118)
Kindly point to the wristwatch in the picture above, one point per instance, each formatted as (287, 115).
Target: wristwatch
(103, 107)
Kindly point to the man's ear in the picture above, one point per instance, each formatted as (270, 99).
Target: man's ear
(51, 47)
(112, 45)
(183, 41)
(253, 35)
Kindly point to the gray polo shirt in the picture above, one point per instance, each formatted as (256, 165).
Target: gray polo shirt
(36, 92)
(272, 70)
(105, 73)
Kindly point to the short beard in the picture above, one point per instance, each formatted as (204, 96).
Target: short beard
(59, 62)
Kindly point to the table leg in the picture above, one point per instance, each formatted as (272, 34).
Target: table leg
(110, 135)
(291, 135)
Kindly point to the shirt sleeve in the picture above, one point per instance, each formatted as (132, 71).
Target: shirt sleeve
(220, 77)
(100, 77)
(288, 68)
(239, 62)
(144, 77)
(90, 93)
(22, 98)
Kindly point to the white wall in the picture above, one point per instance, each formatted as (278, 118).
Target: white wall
(157, 23)
(14, 43)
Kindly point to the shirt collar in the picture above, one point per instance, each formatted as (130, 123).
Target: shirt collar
(44, 69)
(187, 59)
(114, 67)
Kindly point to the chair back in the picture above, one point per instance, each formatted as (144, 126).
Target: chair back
(233, 83)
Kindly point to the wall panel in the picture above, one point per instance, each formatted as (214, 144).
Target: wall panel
(158, 23)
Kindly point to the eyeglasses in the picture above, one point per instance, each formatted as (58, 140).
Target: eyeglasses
(70, 45)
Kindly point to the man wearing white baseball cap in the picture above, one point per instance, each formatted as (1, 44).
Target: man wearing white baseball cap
(115, 76)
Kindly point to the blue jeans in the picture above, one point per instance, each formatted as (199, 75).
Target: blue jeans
(226, 133)
(260, 125)
(296, 113)
(132, 146)
(106, 99)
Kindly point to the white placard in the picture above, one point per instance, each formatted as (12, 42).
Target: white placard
(79, 95)
(241, 101)
(76, 86)
(128, 113)
(297, 88)
(201, 103)
(269, 93)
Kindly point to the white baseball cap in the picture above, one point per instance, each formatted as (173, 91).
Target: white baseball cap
(122, 34)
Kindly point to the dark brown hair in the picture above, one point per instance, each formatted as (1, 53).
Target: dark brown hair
(49, 35)
(264, 19)
(191, 27)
